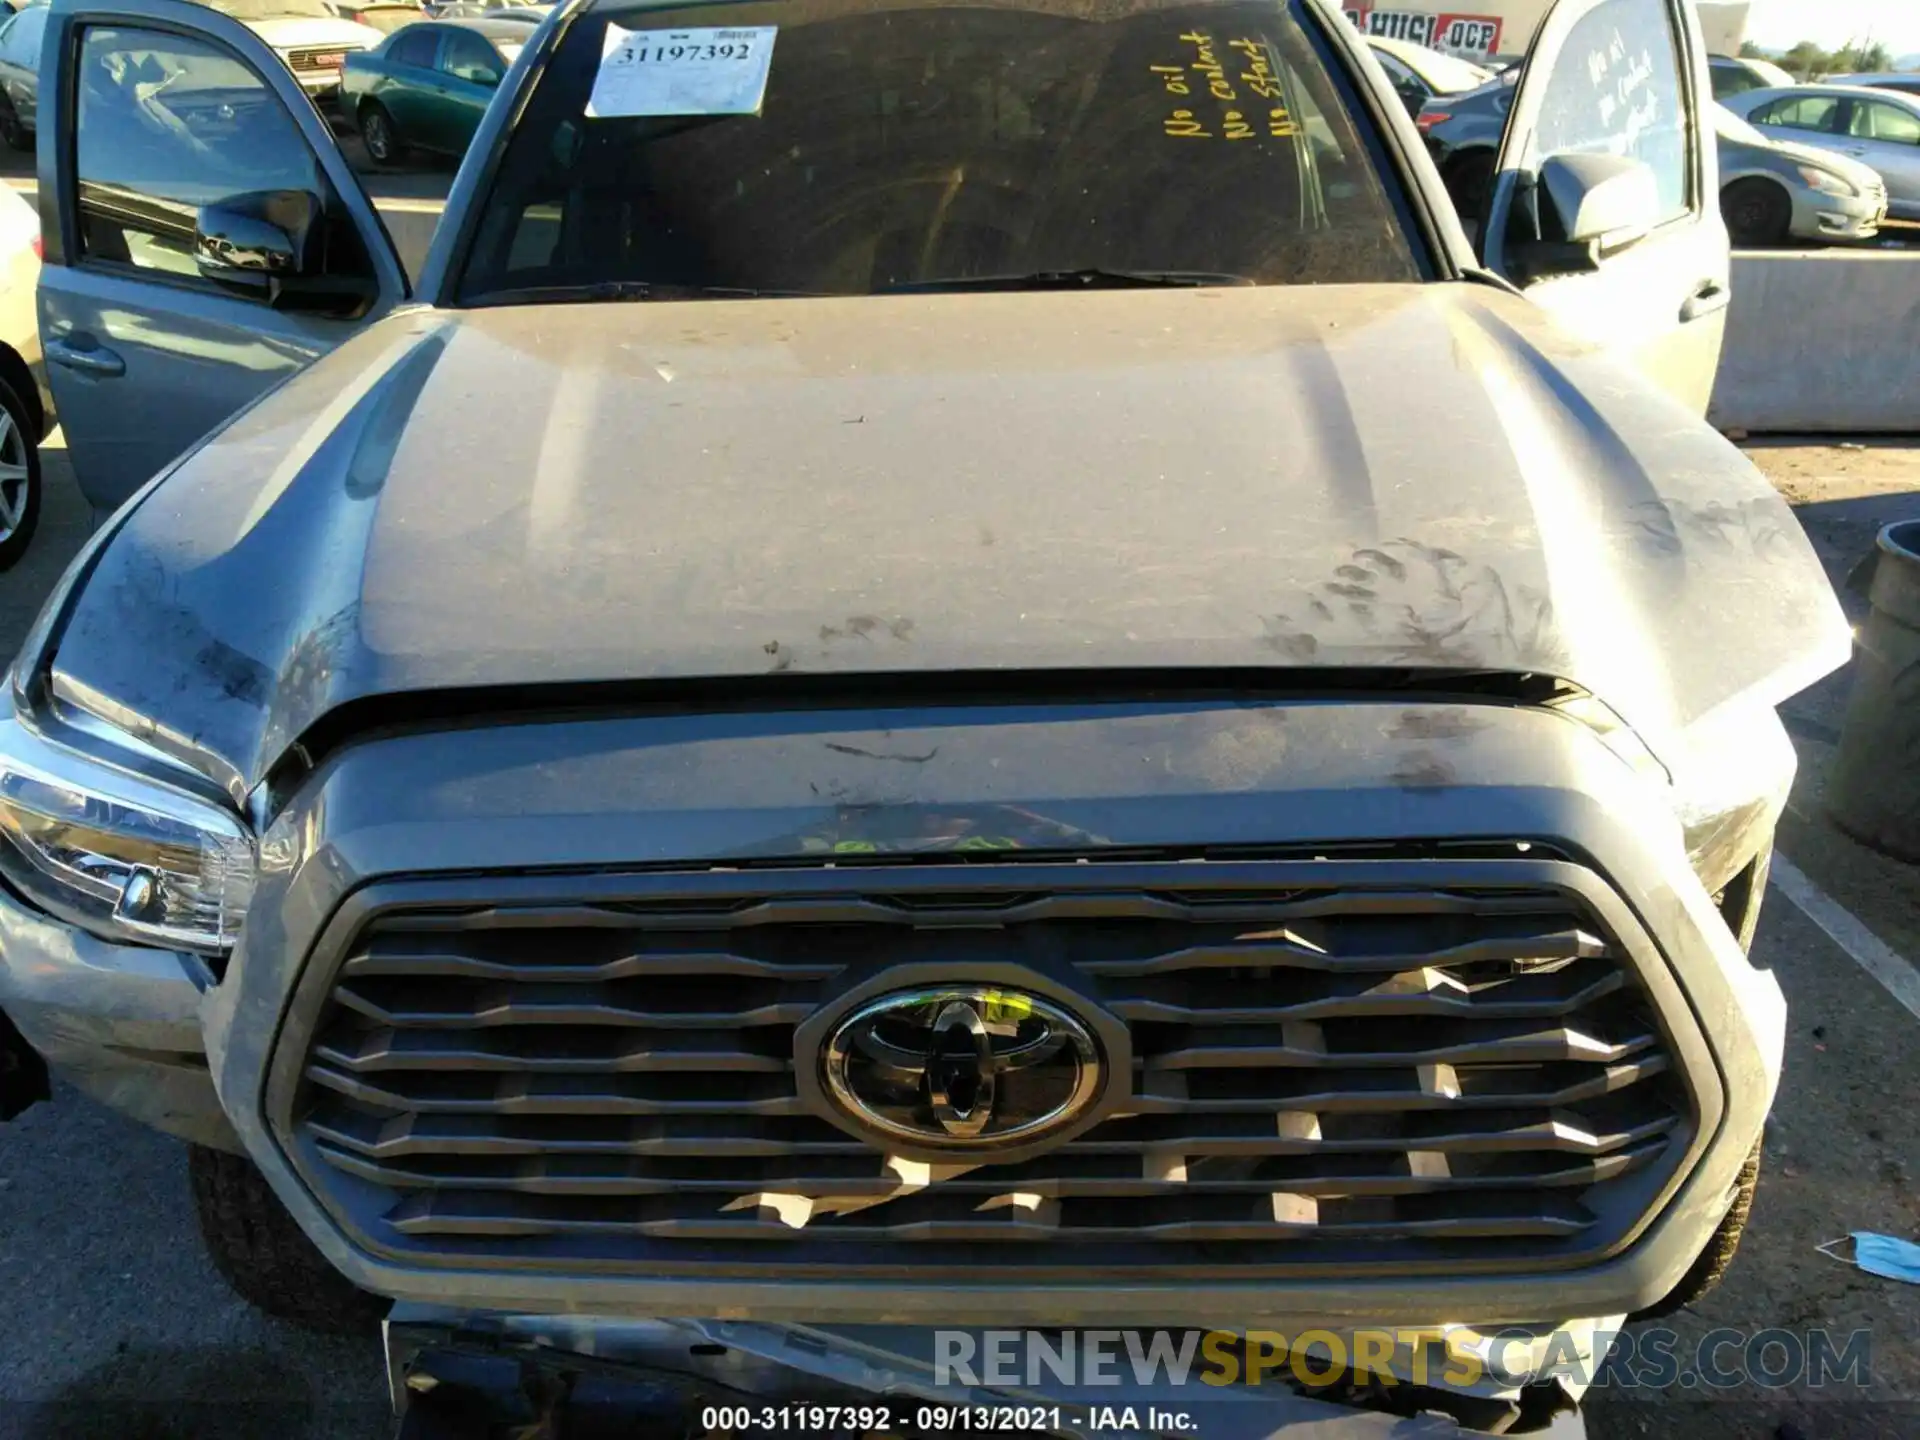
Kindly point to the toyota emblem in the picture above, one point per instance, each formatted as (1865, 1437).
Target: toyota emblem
(962, 1067)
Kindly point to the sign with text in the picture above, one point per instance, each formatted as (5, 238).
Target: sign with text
(1471, 37)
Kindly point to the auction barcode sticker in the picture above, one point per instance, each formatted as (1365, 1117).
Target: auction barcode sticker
(682, 72)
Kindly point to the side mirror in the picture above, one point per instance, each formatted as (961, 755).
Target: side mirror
(1608, 200)
(251, 242)
(1598, 204)
(267, 246)
(488, 78)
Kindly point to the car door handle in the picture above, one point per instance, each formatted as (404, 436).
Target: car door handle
(98, 362)
(1711, 296)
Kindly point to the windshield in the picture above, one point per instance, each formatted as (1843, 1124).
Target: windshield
(273, 9)
(918, 145)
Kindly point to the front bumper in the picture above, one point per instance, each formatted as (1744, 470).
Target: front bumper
(1831, 217)
(119, 1022)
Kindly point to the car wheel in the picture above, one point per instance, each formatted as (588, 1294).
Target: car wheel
(1707, 1271)
(16, 135)
(267, 1259)
(1757, 212)
(379, 135)
(19, 477)
(1469, 180)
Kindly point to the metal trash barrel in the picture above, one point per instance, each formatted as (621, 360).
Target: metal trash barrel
(1873, 792)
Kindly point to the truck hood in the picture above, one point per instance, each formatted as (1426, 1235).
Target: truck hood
(1300, 480)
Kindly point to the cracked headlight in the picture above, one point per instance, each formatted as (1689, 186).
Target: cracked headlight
(121, 855)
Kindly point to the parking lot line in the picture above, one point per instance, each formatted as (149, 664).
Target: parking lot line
(1844, 928)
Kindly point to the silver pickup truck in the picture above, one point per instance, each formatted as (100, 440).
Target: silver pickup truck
(952, 663)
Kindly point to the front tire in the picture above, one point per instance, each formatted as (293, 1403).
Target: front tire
(1711, 1266)
(380, 135)
(19, 477)
(16, 135)
(1758, 213)
(267, 1259)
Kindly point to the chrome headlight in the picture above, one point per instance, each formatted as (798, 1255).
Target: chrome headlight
(124, 856)
(1826, 182)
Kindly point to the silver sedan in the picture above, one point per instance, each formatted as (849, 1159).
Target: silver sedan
(1877, 127)
(1773, 190)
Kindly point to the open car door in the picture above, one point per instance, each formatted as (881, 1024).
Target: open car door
(204, 236)
(1605, 200)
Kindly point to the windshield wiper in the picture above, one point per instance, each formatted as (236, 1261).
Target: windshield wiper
(1089, 279)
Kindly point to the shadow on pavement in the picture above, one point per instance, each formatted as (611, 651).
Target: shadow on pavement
(162, 1393)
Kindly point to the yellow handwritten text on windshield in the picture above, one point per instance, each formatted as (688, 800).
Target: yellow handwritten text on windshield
(1249, 63)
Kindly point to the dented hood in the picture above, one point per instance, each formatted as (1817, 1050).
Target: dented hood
(1409, 476)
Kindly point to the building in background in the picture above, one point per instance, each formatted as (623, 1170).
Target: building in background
(1481, 29)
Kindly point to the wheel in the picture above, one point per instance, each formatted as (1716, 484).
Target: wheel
(1469, 180)
(19, 477)
(1707, 1271)
(382, 139)
(1758, 212)
(267, 1259)
(16, 135)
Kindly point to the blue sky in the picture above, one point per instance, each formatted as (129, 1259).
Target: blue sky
(1779, 23)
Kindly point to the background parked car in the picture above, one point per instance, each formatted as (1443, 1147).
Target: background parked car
(1418, 74)
(1463, 134)
(24, 400)
(312, 40)
(1878, 127)
(426, 87)
(489, 9)
(1904, 80)
(1735, 75)
(386, 16)
(20, 39)
(1769, 191)
(1773, 190)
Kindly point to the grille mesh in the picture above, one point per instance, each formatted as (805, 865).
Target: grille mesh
(1350, 1076)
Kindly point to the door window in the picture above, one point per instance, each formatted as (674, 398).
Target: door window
(470, 58)
(1805, 112)
(415, 47)
(168, 124)
(1616, 90)
(1873, 120)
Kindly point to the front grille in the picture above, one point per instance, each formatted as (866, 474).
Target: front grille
(318, 57)
(1322, 1076)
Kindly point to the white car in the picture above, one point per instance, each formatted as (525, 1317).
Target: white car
(307, 35)
(24, 404)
